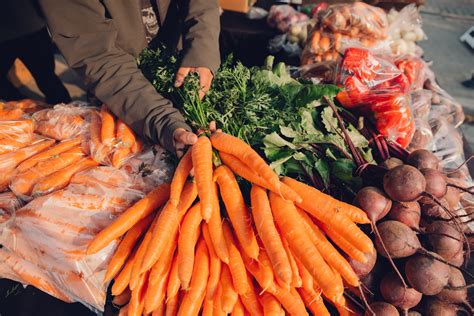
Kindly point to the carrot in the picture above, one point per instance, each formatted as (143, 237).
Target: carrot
(217, 300)
(291, 301)
(215, 229)
(23, 183)
(55, 150)
(11, 160)
(15, 129)
(245, 172)
(130, 217)
(262, 215)
(10, 115)
(193, 299)
(215, 264)
(296, 280)
(238, 148)
(8, 145)
(122, 280)
(137, 146)
(292, 227)
(98, 151)
(125, 136)
(250, 299)
(306, 278)
(172, 304)
(107, 132)
(137, 299)
(314, 302)
(201, 154)
(167, 225)
(155, 294)
(316, 203)
(124, 310)
(163, 266)
(271, 306)
(126, 246)
(60, 179)
(344, 245)
(141, 252)
(261, 270)
(325, 203)
(188, 238)
(236, 264)
(123, 298)
(160, 310)
(179, 178)
(119, 157)
(239, 309)
(237, 210)
(229, 295)
(330, 254)
(173, 283)
(208, 307)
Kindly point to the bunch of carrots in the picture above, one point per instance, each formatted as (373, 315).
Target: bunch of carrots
(112, 141)
(183, 252)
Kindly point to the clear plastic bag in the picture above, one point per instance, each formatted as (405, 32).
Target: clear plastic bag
(405, 29)
(64, 121)
(413, 68)
(283, 17)
(51, 233)
(447, 140)
(15, 134)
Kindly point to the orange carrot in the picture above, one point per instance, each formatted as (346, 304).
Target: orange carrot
(125, 136)
(122, 280)
(123, 298)
(160, 310)
(8, 145)
(17, 128)
(238, 148)
(10, 115)
(163, 266)
(237, 210)
(155, 294)
(215, 264)
(292, 227)
(330, 254)
(119, 157)
(261, 270)
(229, 295)
(329, 211)
(98, 150)
(11, 160)
(271, 306)
(173, 282)
(179, 178)
(239, 309)
(207, 308)
(315, 199)
(306, 278)
(23, 183)
(130, 217)
(296, 280)
(61, 178)
(137, 300)
(193, 299)
(236, 264)
(167, 225)
(201, 154)
(217, 302)
(250, 299)
(47, 154)
(137, 146)
(215, 229)
(126, 246)
(245, 172)
(107, 132)
(262, 215)
(172, 305)
(291, 301)
(344, 245)
(188, 238)
(314, 302)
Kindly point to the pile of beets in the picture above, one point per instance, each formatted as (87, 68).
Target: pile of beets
(422, 239)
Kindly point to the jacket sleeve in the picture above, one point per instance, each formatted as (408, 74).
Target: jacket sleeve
(87, 39)
(201, 39)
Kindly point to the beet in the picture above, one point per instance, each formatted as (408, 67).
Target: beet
(458, 296)
(413, 313)
(395, 293)
(400, 241)
(453, 195)
(435, 307)
(458, 259)
(373, 202)
(436, 184)
(404, 183)
(435, 210)
(364, 268)
(445, 239)
(382, 309)
(426, 275)
(391, 163)
(423, 158)
(408, 213)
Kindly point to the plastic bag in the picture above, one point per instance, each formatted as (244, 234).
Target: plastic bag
(447, 141)
(284, 16)
(15, 134)
(45, 243)
(375, 86)
(405, 30)
(62, 122)
(413, 68)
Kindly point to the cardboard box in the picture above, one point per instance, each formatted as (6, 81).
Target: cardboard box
(237, 5)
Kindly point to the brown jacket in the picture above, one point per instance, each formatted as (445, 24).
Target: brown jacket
(101, 39)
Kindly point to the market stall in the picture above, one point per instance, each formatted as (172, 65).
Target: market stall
(335, 186)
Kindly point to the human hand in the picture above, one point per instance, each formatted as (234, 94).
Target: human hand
(205, 78)
(183, 138)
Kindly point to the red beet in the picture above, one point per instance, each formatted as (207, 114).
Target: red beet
(395, 293)
(408, 213)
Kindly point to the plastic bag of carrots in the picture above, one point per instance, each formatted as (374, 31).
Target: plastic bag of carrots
(183, 252)
(44, 243)
(111, 141)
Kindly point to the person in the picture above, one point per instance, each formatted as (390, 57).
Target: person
(23, 35)
(101, 39)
